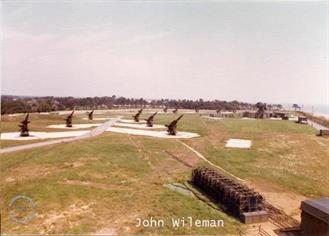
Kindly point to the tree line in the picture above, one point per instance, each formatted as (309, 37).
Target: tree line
(22, 104)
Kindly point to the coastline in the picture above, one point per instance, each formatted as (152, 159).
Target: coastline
(317, 110)
(321, 115)
(321, 119)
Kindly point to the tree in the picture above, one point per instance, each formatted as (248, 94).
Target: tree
(296, 107)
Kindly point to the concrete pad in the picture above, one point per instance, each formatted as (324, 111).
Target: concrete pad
(17, 114)
(185, 112)
(274, 118)
(213, 118)
(295, 118)
(158, 134)
(99, 118)
(80, 112)
(132, 121)
(75, 126)
(42, 135)
(238, 143)
(139, 126)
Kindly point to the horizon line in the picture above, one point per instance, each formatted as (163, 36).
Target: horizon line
(273, 103)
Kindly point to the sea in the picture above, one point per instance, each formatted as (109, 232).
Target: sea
(318, 110)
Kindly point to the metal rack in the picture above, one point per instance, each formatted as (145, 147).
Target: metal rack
(235, 197)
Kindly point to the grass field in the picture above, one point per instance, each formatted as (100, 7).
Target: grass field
(103, 184)
(39, 122)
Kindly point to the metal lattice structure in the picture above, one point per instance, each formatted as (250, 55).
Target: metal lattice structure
(234, 197)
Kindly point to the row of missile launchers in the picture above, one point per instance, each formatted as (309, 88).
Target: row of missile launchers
(171, 128)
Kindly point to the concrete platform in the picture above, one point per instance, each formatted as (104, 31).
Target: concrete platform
(139, 126)
(157, 134)
(75, 126)
(42, 135)
(131, 121)
(99, 118)
(213, 118)
(254, 217)
(238, 143)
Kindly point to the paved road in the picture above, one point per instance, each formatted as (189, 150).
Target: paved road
(316, 125)
(97, 131)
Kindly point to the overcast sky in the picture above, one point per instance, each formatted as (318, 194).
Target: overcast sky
(250, 51)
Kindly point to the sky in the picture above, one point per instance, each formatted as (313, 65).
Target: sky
(271, 51)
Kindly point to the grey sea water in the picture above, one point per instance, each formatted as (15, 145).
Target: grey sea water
(316, 109)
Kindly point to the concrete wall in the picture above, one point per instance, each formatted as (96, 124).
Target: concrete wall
(312, 226)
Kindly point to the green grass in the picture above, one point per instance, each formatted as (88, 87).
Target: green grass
(127, 174)
(39, 123)
(113, 160)
(283, 152)
(11, 143)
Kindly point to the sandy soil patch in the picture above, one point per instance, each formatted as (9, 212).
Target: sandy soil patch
(80, 162)
(54, 221)
(42, 135)
(24, 173)
(75, 126)
(157, 134)
(238, 143)
(120, 224)
(289, 202)
(139, 126)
